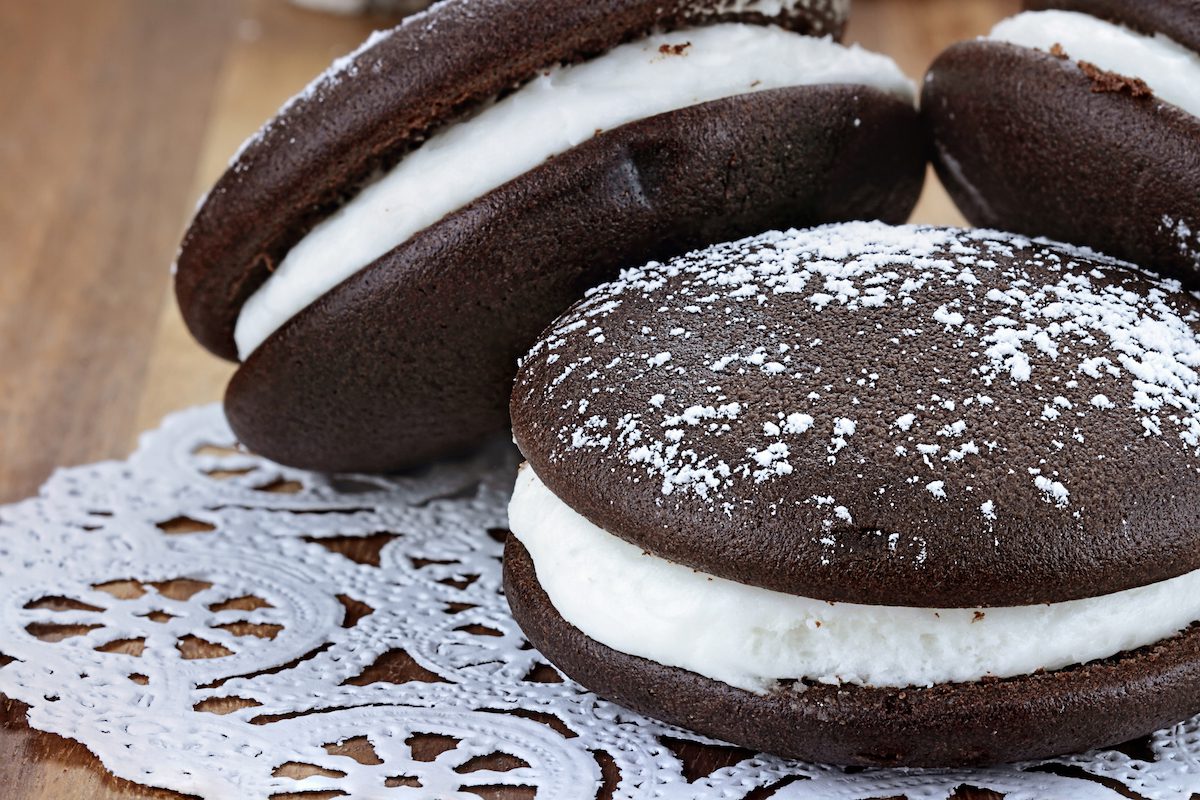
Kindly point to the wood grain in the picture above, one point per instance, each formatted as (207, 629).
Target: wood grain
(105, 109)
(114, 117)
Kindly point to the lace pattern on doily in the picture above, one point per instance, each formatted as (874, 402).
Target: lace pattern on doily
(206, 621)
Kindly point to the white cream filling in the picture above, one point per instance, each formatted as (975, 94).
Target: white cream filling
(1171, 70)
(751, 637)
(548, 116)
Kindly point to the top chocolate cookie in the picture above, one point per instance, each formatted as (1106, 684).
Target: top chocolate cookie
(1178, 19)
(377, 103)
(902, 416)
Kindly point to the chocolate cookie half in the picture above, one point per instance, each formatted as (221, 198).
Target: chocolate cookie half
(1176, 19)
(1069, 125)
(383, 252)
(871, 495)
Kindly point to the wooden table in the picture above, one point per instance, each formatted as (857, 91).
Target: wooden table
(114, 117)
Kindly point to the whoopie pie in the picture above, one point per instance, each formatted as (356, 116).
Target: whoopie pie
(870, 495)
(388, 245)
(1079, 120)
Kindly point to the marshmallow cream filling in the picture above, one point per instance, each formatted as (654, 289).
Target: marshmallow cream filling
(553, 113)
(1171, 70)
(750, 637)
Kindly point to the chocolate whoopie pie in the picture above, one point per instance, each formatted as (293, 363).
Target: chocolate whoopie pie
(383, 251)
(1078, 121)
(870, 495)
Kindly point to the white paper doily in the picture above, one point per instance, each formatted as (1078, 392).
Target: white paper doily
(119, 574)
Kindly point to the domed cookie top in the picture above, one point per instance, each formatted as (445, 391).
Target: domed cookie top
(894, 415)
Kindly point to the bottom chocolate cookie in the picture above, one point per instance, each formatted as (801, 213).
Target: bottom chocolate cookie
(1048, 713)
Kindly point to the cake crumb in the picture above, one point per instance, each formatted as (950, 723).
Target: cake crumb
(673, 49)
(1104, 81)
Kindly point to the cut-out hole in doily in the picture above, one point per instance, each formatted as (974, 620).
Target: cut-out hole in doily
(59, 604)
(298, 770)
(429, 746)
(359, 549)
(55, 632)
(309, 656)
(475, 629)
(180, 588)
(775, 787)
(541, 672)
(495, 791)
(224, 705)
(1140, 749)
(126, 647)
(969, 792)
(260, 630)
(492, 762)
(217, 451)
(281, 486)
(194, 648)
(125, 589)
(358, 748)
(246, 602)
(394, 666)
(185, 525)
(701, 760)
(356, 610)
(610, 775)
(228, 474)
(459, 582)
(549, 720)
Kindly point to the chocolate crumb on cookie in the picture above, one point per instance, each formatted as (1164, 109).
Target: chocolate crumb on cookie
(389, 244)
(870, 495)
(1080, 122)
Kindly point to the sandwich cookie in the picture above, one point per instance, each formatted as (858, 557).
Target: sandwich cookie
(870, 495)
(383, 251)
(1080, 124)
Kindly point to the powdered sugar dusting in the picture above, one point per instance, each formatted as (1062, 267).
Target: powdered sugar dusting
(1187, 238)
(1024, 348)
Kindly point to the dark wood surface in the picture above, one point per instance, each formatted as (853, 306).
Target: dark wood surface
(114, 117)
